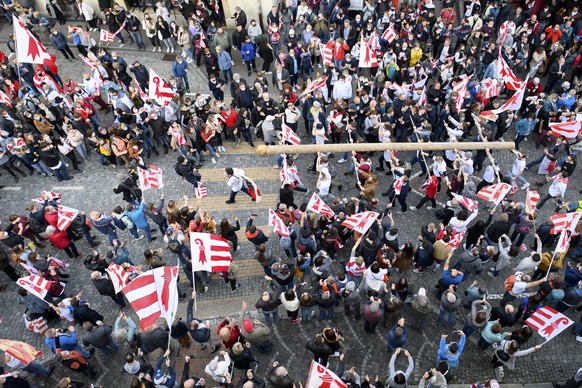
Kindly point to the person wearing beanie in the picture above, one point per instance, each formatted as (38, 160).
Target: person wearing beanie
(450, 302)
(397, 336)
(373, 314)
(161, 379)
(218, 369)
(399, 378)
(256, 332)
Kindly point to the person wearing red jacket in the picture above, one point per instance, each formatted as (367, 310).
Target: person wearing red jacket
(51, 216)
(60, 240)
(340, 48)
(431, 186)
(553, 33)
(229, 333)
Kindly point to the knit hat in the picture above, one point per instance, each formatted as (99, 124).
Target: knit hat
(451, 298)
(248, 325)
(374, 306)
(350, 286)
(212, 365)
(422, 291)
(159, 377)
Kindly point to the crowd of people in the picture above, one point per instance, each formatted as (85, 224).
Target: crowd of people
(50, 125)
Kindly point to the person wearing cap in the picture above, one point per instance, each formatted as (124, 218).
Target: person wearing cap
(256, 332)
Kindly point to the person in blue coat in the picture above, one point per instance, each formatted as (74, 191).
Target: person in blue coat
(198, 330)
(180, 70)
(248, 53)
(524, 127)
(137, 215)
(451, 352)
(59, 41)
(161, 379)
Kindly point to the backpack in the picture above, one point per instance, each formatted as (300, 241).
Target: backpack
(35, 225)
(119, 224)
(285, 242)
(440, 214)
(174, 245)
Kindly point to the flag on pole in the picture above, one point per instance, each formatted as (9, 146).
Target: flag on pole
(210, 252)
(389, 34)
(566, 221)
(490, 88)
(326, 54)
(154, 295)
(456, 240)
(66, 215)
(548, 322)
(494, 193)
(118, 275)
(315, 84)
(395, 86)
(317, 205)
(91, 64)
(513, 103)
(360, 222)
(367, 55)
(468, 203)
(374, 42)
(5, 99)
(277, 224)
(512, 82)
(321, 377)
(289, 135)
(507, 27)
(532, 198)
(106, 36)
(150, 179)
(28, 48)
(461, 89)
(568, 129)
(563, 242)
(21, 351)
(398, 184)
(36, 285)
(200, 191)
(159, 89)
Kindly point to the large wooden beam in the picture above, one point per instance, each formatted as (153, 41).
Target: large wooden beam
(368, 147)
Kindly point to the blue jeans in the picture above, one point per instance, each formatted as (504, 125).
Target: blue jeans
(468, 330)
(113, 237)
(84, 352)
(148, 232)
(82, 150)
(35, 369)
(134, 232)
(271, 316)
(184, 79)
(120, 36)
(234, 193)
(227, 73)
(42, 168)
(306, 313)
(106, 349)
(136, 36)
(451, 317)
(338, 63)
(61, 172)
(326, 314)
(183, 255)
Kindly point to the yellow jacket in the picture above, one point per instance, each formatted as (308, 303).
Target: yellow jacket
(415, 56)
(544, 264)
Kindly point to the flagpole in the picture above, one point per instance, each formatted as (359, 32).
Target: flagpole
(174, 301)
(421, 151)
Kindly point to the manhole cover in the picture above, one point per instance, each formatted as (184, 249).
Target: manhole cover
(169, 57)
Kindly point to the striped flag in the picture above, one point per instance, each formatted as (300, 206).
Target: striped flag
(360, 222)
(31, 270)
(532, 198)
(150, 179)
(321, 377)
(22, 351)
(51, 195)
(468, 203)
(91, 64)
(315, 84)
(107, 36)
(5, 99)
(36, 285)
(507, 27)
(210, 252)
(512, 82)
(566, 221)
(154, 295)
(178, 135)
(374, 42)
(548, 322)
(456, 240)
(461, 88)
(368, 57)
(389, 34)
(277, 224)
(398, 88)
(490, 88)
(317, 205)
(494, 193)
(66, 215)
(398, 183)
(326, 54)
(568, 129)
(118, 275)
(563, 242)
(200, 191)
(422, 98)
(289, 135)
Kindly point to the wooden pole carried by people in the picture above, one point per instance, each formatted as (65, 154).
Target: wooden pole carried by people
(369, 147)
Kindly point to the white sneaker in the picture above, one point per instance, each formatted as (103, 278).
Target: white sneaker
(172, 50)
(275, 166)
(232, 63)
(213, 160)
(525, 186)
(168, 50)
(154, 50)
(217, 154)
(342, 161)
(122, 45)
(412, 208)
(319, 65)
(430, 207)
(159, 49)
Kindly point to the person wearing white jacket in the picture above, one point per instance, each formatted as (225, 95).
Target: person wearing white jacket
(217, 369)
(398, 378)
(88, 13)
(290, 301)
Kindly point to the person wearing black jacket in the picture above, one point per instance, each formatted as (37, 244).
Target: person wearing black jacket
(188, 170)
(505, 315)
(84, 313)
(105, 287)
(51, 157)
(153, 338)
(498, 228)
(128, 186)
(142, 76)
(320, 349)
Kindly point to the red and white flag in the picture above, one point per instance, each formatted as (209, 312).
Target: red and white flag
(154, 295)
(507, 27)
(326, 54)
(178, 135)
(5, 99)
(106, 36)
(277, 224)
(461, 89)
(58, 263)
(568, 129)
(289, 135)
(91, 64)
(321, 377)
(142, 94)
(317, 205)
(494, 193)
(31, 270)
(563, 242)
(200, 191)
(514, 102)
(367, 55)
(548, 322)
(34, 284)
(389, 34)
(512, 82)
(66, 215)
(467, 203)
(395, 86)
(374, 42)
(398, 184)
(22, 351)
(150, 179)
(566, 221)
(51, 196)
(532, 198)
(28, 48)
(490, 88)
(422, 98)
(456, 240)
(118, 275)
(316, 84)
(360, 222)
(159, 89)
(210, 252)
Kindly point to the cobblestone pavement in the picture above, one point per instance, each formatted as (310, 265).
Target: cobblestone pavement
(91, 190)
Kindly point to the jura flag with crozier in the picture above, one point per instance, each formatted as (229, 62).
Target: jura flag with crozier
(367, 55)
(490, 88)
(461, 89)
(200, 192)
(326, 54)
(22, 351)
(150, 179)
(360, 222)
(159, 89)
(210, 252)
(154, 295)
(289, 135)
(532, 198)
(317, 205)
(66, 215)
(563, 242)
(36, 285)
(468, 203)
(321, 377)
(106, 36)
(494, 193)
(568, 129)
(277, 224)
(315, 84)
(389, 34)
(455, 242)
(548, 322)
(28, 48)
(118, 275)
(566, 221)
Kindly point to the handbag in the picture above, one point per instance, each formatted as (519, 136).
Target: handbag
(501, 355)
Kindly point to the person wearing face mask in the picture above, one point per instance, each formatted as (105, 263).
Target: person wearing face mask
(59, 42)
(255, 32)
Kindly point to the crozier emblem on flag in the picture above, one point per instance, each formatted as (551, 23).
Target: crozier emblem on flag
(360, 222)
(200, 191)
(563, 242)
(159, 89)
(209, 252)
(566, 221)
(548, 322)
(28, 48)
(321, 377)
(468, 203)
(66, 215)
(455, 242)
(150, 179)
(315, 84)
(119, 276)
(532, 198)
(277, 224)
(317, 205)
(36, 285)
(494, 193)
